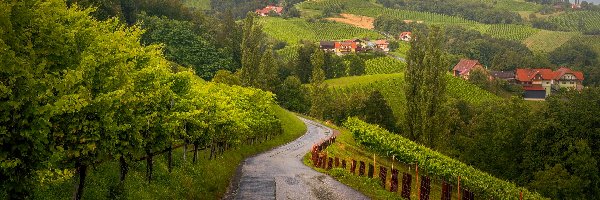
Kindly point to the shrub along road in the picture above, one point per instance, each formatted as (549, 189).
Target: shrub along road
(280, 173)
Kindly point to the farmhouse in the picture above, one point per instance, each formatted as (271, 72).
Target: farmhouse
(328, 46)
(265, 11)
(405, 36)
(539, 83)
(382, 45)
(464, 68)
(504, 75)
(345, 47)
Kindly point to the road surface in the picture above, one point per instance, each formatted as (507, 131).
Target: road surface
(280, 173)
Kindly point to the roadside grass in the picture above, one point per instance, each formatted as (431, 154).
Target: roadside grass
(346, 148)
(206, 179)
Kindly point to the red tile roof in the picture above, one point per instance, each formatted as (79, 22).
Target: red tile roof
(526, 75)
(465, 65)
(381, 42)
(268, 9)
(405, 34)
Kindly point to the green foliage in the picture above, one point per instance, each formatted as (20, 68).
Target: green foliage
(185, 45)
(384, 65)
(252, 41)
(197, 4)
(425, 88)
(293, 96)
(356, 65)
(224, 76)
(434, 163)
(294, 30)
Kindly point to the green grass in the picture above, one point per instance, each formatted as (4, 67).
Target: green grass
(197, 4)
(426, 17)
(347, 148)
(294, 30)
(547, 41)
(206, 179)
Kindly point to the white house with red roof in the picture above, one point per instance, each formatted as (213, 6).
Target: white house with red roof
(465, 66)
(539, 83)
(405, 36)
(265, 11)
(383, 45)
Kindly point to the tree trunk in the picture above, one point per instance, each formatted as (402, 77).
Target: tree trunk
(195, 152)
(124, 168)
(170, 158)
(149, 166)
(212, 151)
(81, 170)
(184, 151)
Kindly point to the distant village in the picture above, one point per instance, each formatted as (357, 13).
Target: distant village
(537, 83)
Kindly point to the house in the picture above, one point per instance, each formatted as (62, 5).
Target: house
(345, 47)
(549, 81)
(405, 36)
(265, 11)
(504, 75)
(464, 68)
(328, 46)
(382, 44)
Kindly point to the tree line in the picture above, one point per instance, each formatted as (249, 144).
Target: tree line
(76, 92)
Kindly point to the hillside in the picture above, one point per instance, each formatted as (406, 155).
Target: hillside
(391, 87)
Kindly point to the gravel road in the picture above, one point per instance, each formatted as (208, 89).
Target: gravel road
(280, 173)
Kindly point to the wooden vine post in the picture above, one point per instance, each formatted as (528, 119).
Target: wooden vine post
(458, 187)
(417, 179)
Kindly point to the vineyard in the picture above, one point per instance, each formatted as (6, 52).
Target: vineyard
(547, 41)
(320, 4)
(508, 31)
(384, 65)
(293, 31)
(434, 163)
(426, 17)
(577, 21)
(391, 87)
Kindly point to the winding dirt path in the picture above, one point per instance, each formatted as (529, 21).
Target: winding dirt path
(280, 173)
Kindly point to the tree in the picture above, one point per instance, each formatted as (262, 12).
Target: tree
(293, 96)
(251, 50)
(377, 111)
(480, 78)
(186, 45)
(356, 65)
(303, 61)
(224, 76)
(319, 91)
(268, 77)
(425, 87)
(334, 66)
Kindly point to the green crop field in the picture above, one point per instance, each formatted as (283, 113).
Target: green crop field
(294, 30)
(577, 21)
(197, 4)
(547, 41)
(384, 65)
(320, 4)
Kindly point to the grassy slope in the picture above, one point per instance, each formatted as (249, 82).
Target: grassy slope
(207, 179)
(347, 148)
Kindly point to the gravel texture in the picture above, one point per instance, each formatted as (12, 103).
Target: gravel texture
(280, 173)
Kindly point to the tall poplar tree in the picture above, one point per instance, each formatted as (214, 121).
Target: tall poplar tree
(251, 50)
(426, 87)
(319, 92)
